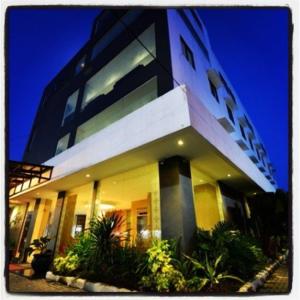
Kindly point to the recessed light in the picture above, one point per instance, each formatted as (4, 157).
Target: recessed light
(228, 175)
(87, 175)
(180, 142)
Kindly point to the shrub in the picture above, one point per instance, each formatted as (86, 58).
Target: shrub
(104, 239)
(241, 254)
(66, 265)
(82, 248)
(207, 274)
(162, 275)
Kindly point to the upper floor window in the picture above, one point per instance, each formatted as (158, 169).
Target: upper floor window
(227, 88)
(127, 104)
(251, 143)
(213, 90)
(62, 144)
(187, 53)
(135, 54)
(230, 113)
(258, 154)
(243, 131)
(115, 31)
(70, 106)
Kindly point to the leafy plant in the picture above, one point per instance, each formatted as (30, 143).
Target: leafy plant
(66, 265)
(241, 254)
(162, 275)
(39, 245)
(105, 237)
(82, 248)
(208, 274)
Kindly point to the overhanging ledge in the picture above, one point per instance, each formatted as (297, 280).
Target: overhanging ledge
(23, 176)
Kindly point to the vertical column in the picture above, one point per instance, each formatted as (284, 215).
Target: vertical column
(176, 200)
(53, 232)
(94, 198)
(27, 238)
(155, 205)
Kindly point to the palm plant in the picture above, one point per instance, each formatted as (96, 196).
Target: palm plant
(105, 237)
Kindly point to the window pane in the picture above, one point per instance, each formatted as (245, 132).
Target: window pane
(62, 144)
(133, 55)
(131, 102)
(70, 106)
(243, 131)
(230, 114)
(115, 31)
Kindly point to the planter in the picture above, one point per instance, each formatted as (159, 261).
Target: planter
(41, 263)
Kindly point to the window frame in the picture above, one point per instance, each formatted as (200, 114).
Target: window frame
(230, 113)
(213, 90)
(187, 52)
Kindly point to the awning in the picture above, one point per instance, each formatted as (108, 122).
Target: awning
(22, 176)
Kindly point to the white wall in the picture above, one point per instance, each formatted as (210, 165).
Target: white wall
(196, 80)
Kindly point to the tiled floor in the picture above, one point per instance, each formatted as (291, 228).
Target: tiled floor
(278, 282)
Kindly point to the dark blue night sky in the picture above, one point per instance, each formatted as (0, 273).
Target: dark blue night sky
(251, 45)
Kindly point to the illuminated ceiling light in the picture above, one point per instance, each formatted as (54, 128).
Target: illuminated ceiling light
(254, 193)
(201, 180)
(180, 142)
(87, 175)
(228, 175)
(82, 65)
(37, 194)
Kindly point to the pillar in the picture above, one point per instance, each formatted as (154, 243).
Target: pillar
(176, 201)
(53, 232)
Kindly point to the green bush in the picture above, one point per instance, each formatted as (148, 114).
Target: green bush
(66, 265)
(162, 275)
(207, 274)
(241, 254)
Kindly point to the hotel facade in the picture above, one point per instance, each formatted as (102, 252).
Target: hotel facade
(143, 122)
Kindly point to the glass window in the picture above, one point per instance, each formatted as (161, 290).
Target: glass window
(117, 29)
(213, 90)
(132, 56)
(251, 143)
(230, 114)
(139, 207)
(62, 144)
(131, 102)
(258, 155)
(243, 131)
(187, 53)
(70, 106)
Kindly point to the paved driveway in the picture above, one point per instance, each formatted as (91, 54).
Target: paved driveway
(278, 282)
(19, 284)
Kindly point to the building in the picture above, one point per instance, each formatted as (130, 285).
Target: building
(144, 122)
